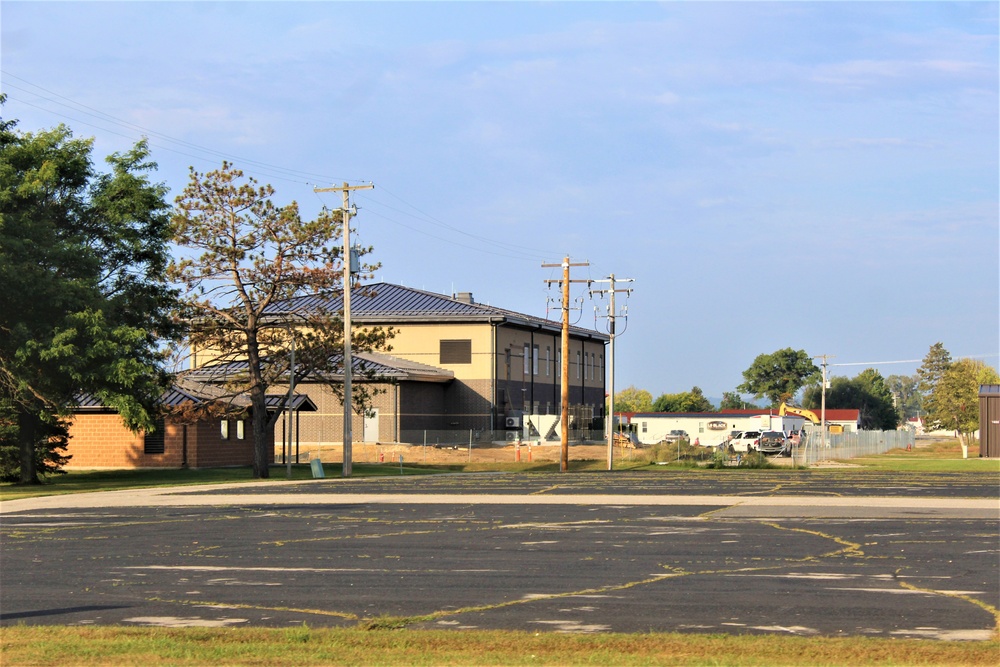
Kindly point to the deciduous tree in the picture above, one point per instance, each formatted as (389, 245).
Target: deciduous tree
(867, 393)
(83, 306)
(779, 375)
(956, 398)
(733, 400)
(909, 400)
(632, 399)
(685, 401)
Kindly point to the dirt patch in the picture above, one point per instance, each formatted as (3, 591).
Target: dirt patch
(448, 454)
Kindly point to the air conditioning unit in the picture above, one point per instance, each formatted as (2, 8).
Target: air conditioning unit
(513, 422)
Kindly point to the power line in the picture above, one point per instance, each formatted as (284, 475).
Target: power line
(910, 361)
(108, 118)
(164, 142)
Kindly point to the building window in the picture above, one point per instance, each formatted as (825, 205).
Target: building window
(240, 435)
(506, 356)
(534, 360)
(155, 442)
(548, 361)
(577, 365)
(643, 427)
(224, 429)
(456, 351)
(527, 359)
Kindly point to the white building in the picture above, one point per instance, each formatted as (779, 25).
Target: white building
(708, 428)
(713, 428)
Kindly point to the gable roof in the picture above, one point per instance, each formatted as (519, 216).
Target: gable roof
(385, 303)
(382, 368)
(188, 389)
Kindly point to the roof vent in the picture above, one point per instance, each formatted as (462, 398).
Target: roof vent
(464, 297)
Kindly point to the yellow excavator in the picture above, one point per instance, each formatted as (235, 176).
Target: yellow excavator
(801, 412)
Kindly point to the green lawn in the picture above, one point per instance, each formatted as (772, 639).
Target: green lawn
(929, 456)
(943, 455)
(115, 480)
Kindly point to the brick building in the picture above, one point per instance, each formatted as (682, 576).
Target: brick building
(100, 439)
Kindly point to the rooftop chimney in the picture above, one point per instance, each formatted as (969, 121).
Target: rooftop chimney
(464, 297)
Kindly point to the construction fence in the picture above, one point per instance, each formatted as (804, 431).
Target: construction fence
(850, 445)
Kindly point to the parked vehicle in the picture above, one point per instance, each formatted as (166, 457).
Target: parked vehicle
(676, 435)
(745, 441)
(774, 442)
(795, 440)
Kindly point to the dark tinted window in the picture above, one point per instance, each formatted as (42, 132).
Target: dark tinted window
(456, 351)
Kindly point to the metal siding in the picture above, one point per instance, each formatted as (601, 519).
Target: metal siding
(989, 421)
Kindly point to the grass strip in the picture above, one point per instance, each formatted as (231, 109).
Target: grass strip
(151, 647)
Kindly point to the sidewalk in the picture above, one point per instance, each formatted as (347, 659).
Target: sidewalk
(337, 492)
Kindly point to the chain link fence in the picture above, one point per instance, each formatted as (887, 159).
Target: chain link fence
(850, 445)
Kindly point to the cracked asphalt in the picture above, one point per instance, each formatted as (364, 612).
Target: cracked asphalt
(851, 554)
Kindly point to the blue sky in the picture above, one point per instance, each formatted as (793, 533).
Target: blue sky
(821, 176)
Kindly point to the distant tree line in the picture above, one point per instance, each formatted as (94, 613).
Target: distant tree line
(942, 392)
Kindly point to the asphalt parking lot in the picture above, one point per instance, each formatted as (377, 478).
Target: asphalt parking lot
(875, 555)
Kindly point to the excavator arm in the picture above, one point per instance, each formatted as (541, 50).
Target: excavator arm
(801, 412)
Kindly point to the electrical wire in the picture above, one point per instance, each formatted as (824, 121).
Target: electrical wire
(909, 361)
(161, 141)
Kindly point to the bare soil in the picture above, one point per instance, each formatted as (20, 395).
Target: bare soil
(456, 454)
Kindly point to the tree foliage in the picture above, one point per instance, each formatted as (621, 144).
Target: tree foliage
(909, 400)
(733, 400)
(779, 376)
(685, 401)
(867, 393)
(929, 374)
(956, 397)
(247, 261)
(84, 305)
(632, 399)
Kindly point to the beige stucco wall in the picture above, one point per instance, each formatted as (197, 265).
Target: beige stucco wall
(422, 343)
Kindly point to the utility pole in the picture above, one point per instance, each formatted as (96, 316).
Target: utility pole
(348, 213)
(611, 358)
(564, 371)
(822, 403)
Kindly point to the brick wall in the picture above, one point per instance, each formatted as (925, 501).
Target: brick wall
(103, 441)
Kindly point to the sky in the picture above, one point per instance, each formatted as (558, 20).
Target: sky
(819, 176)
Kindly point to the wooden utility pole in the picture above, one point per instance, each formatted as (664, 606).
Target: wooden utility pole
(611, 358)
(348, 212)
(564, 371)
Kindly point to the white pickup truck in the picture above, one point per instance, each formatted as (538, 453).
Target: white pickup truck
(745, 441)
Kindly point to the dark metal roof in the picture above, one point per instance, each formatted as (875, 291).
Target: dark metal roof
(366, 367)
(189, 389)
(386, 303)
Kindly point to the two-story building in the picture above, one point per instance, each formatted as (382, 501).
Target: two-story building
(455, 365)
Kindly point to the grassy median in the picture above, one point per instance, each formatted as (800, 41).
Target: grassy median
(149, 647)
(942, 455)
